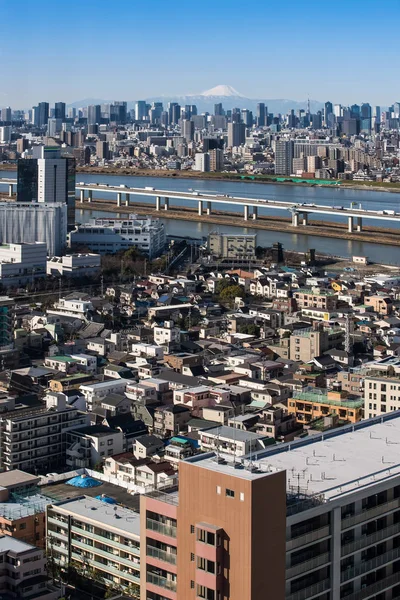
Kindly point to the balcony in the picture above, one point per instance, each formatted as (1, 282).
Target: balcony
(369, 540)
(130, 547)
(311, 591)
(366, 515)
(161, 582)
(169, 530)
(161, 555)
(99, 566)
(104, 554)
(308, 565)
(369, 565)
(378, 587)
(307, 538)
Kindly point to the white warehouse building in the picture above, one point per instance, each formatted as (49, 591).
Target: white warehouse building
(32, 222)
(108, 236)
(22, 263)
(74, 265)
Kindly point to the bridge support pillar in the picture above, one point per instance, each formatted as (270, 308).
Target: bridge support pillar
(209, 208)
(90, 195)
(200, 208)
(126, 199)
(10, 189)
(350, 225)
(255, 212)
(166, 203)
(305, 219)
(295, 219)
(359, 224)
(246, 212)
(119, 198)
(82, 196)
(158, 202)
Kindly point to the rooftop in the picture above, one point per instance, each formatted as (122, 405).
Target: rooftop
(113, 516)
(8, 543)
(59, 492)
(327, 465)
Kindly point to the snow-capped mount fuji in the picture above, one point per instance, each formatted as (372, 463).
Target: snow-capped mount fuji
(227, 91)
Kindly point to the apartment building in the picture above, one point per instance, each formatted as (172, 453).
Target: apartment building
(315, 298)
(316, 518)
(23, 574)
(98, 537)
(314, 403)
(381, 395)
(231, 441)
(306, 344)
(96, 392)
(88, 446)
(383, 305)
(33, 439)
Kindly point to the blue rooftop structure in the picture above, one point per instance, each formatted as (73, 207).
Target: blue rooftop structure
(106, 499)
(83, 481)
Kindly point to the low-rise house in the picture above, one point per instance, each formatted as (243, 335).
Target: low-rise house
(171, 419)
(88, 446)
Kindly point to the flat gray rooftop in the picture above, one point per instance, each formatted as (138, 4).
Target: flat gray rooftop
(62, 491)
(107, 514)
(328, 465)
(8, 543)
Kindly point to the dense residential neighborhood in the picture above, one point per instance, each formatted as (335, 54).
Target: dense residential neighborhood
(107, 424)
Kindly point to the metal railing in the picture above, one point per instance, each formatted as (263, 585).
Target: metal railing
(369, 540)
(161, 555)
(307, 538)
(371, 513)
(161, 582)
(158, 527)
(371, 590)
(368, 565)
(312, 590)
(308, 565)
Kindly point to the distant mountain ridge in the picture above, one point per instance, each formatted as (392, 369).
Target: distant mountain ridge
(225, 94)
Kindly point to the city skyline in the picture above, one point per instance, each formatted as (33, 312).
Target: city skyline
(289, 53)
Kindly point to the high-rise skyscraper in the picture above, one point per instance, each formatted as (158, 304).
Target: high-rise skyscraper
(48, 177)
(54, 127)
(366, 116)
(94, 114)
(59, 110)
(328, 111)
(118, 112)
(174, 113)
(261, 114)
(284, 151)
(188, 130)
(218, 109)
(43, 113)
(6, 115)
(236, 134)
(140, 110)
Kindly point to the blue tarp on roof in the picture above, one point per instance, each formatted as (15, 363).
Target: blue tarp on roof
(106, 499)
(83, 481)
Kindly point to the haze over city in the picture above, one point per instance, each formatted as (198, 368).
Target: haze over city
(264, 50)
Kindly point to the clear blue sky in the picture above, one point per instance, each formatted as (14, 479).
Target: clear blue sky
(345, 51)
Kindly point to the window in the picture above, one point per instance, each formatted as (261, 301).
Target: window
(191, 557)
(207, 537)
(192, 529)
(204, 592)
(229, 493)
(22, 526)
(192, 585)
(241, 496)
(109, 442)
(218, 489)
(206, 565)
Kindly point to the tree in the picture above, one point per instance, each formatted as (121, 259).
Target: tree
(250, 329)
(229, 293)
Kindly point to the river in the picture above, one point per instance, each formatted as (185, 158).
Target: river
(371, 200)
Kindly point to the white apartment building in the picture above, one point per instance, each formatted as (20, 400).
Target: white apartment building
(71, 308)
(86, 363)
(148, 350)
(88, 446)
(167, 335)
(231, 441)
(74, 265)
(96, 392)
(32, 439)
(23, 574)
(107, 236)
(22, 263)
(141, 393)
(98, 536)
(381, 395)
